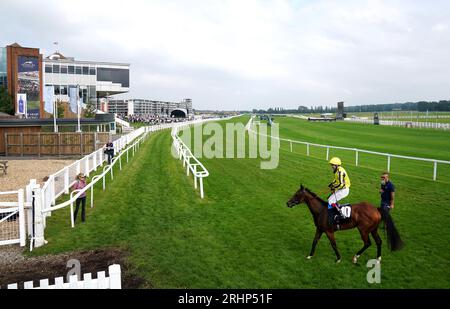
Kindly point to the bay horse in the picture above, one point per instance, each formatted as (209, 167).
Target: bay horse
(364, 216)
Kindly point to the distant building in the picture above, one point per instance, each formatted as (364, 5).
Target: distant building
(340, 115)
(181, 109)
(95, 80)
(24, 72)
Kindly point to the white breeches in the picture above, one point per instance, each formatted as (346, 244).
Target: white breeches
(338, 195)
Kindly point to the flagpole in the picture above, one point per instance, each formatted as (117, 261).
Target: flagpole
(78, 108)
(55, 107)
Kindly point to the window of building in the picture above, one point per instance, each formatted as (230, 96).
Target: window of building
(84, 95)
(63, 70)
(92, 71)
(57, 90)
(92, 92)
(118, 76)
(78, 70)
(63, 89)
(56, 68)
(48, 69)
(71, 69)
(85, 70)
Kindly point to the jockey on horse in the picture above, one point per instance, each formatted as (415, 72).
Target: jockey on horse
(340, 188)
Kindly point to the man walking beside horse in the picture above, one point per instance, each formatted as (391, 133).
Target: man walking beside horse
(363, 216)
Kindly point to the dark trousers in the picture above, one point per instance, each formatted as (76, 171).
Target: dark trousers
(110, 155)
(385, 209)
(81, 200)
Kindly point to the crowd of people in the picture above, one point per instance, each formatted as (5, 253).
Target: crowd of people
(150, 119)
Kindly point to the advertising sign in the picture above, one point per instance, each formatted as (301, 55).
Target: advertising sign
(29, 84)
(21, 103)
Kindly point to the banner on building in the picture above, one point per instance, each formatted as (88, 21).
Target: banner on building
(49, 98)
(29, 84)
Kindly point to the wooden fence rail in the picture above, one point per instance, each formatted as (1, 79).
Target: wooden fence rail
(51, 144)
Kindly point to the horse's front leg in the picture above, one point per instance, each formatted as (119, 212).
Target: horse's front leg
(314, 244)
(330, 236)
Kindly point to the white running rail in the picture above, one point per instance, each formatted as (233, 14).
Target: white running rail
(358, 151)
(191, 163)
(414, 124)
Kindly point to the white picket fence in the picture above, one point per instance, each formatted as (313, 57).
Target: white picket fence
(114, 281)
(430, 116)
(413, 124)
(13, 230)
(44, 199)
(44, 207)
(357, 151)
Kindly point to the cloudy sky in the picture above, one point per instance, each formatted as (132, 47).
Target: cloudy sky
(243, 54)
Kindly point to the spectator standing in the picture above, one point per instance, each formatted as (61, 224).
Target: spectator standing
(80, 184)
(109, 151)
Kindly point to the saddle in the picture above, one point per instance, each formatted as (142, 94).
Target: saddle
(339, 217)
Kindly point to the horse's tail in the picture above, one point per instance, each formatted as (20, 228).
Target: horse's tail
(393, 236)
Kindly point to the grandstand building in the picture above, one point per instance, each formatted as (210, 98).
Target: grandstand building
(24, 72)
(181, 109)
(94, 80)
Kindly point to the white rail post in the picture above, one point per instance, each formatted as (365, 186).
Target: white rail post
(29, 198)
(72, 221)
(127, 155)
(39, 240)
(389, 163)
(66, 180)
(87, 166)
(104, 184)
(120, 162)
(94, 161)
(53, 191)
(22, 232)
(435, 171)
(356, 157)
(92, 196)
(307, 149)
(290, 142)
(328, 153)
(195, 176)
(201, 187)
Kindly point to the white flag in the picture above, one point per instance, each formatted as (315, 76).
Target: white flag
(49, 98)
(73, 95)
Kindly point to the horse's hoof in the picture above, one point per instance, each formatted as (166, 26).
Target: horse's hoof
(309, 257)
(338, 261)
(355, 259)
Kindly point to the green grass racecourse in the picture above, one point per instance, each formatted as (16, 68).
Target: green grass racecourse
(425, 143)
(242, 235)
